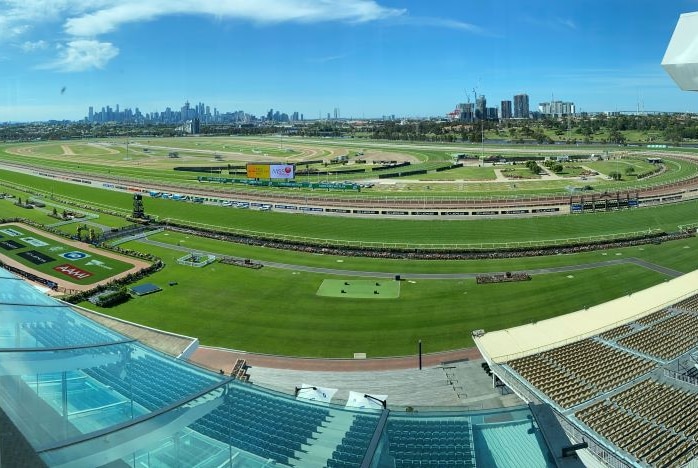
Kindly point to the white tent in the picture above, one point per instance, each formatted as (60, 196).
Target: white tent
(363, 400)
(314, 393)
(681, 57)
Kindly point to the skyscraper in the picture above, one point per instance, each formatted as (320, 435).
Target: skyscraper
(481, 107)
(521, 109)
(505, 110)
(466, 111)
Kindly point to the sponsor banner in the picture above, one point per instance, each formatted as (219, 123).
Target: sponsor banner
(11, 232)
(366, 211)
(34, 242)
(98, 263)
(393, 213)
(11, 245)
(258, 171)
(485, 213)
(270, 171)
(425, 213)
(281, 171)
(72, 271)
(454, 213)
(58, 248)
(514, 211)
(75, 255)
(545, 210)
(37, 258)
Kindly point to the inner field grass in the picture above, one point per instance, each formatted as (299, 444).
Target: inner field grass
(278, 311)
(353, 288)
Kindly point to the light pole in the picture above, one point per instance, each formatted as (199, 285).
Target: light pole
(420, 354)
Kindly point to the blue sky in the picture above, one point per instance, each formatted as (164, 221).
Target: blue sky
(366, 57)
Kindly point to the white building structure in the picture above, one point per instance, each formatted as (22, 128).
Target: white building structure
(681, 56)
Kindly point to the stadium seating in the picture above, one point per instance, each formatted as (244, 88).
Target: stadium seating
(617, 332)
(654, 422)
(65, 334)
(653, 317)
(174, 382)
(268, 426)
(667, 338)
(577, 372)
(431, 442)
(352, 450)
(689, 304)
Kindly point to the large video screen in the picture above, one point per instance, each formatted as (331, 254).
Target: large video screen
(270, 171)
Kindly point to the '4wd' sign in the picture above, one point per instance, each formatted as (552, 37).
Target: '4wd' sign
(72, 271)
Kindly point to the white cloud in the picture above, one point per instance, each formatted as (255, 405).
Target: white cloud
(86, 20)
(29, 46)
(105, 20)
(442, 23)
(82, 55)
(18, 17)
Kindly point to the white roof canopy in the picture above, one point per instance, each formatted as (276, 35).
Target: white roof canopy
(681, 57)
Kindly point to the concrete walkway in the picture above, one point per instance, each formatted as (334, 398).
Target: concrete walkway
(221, 358)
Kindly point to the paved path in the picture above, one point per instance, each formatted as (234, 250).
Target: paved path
(221, 358)
(655, 267)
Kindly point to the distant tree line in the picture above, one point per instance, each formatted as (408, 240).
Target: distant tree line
(661, 128)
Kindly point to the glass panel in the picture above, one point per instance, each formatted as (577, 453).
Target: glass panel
(53, 396)
(161, 440)
(49, 327)
(16, 291)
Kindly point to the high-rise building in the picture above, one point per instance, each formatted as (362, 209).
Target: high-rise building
(91, 114)
(505, 110)
(481, 107)
(521, 109)
(466, 111)
(556, 108)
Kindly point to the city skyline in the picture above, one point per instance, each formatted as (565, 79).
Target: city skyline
(208, 114)
(368, 58)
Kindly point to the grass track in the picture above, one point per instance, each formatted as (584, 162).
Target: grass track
(413, 232)
(277, 311)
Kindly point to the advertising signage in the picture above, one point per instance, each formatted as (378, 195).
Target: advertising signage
(270, 171)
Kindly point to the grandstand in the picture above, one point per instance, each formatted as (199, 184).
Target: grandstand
(74, 393)
(620, 374)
